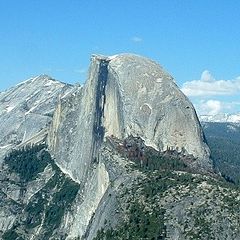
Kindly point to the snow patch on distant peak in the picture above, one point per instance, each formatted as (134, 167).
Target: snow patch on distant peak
(222, 117)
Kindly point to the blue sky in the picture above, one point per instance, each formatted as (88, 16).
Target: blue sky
(190, 39)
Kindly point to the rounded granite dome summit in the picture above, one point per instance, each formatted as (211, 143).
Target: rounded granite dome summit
(139, 65)
(142, 99)
(136, 62)
(126, 95)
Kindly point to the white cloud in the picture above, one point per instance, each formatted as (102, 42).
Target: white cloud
(207, 76)
(210, 107)
(209, 86)
(136, 39)
(213, 107)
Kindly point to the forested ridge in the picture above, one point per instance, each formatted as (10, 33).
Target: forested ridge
(224, 142)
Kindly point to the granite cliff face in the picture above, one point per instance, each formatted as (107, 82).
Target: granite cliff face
(124, 95)
(129, 112)
(27, 109)
(26, 112)
(150, 105)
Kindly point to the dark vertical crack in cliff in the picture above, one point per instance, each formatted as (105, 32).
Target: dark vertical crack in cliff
(98, 128)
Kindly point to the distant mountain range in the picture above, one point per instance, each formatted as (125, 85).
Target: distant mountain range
(223, 138)
(222, 117)
(222, 133)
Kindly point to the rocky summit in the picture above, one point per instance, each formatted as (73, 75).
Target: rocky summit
(124, 95)
(121, 157)
(27, 109)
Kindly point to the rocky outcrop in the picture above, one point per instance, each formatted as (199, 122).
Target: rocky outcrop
(125, 95)
(27, 109)
(152, 106)
(35, 195)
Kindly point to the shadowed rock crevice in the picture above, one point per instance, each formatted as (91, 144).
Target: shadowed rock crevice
(98, 128)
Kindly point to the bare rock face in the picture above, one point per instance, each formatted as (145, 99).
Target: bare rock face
(26, 112)
(143, 100)
(27, 109)
(124, 95)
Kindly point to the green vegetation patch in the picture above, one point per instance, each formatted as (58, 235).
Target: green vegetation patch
(141, 204)
(165, 182)
(141, 225)
(11, 235)
(28, 161)
(47, 207)
(224, 141)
